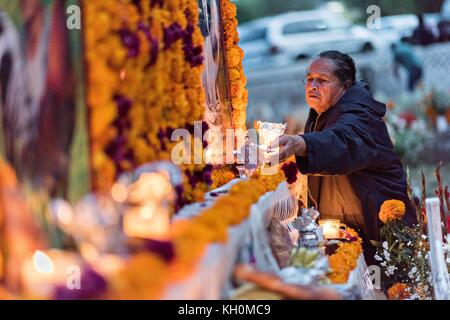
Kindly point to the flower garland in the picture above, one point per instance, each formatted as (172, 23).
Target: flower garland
(235, 55)
(222, 176)
(147, 275)
(345, 259)
(144, 62)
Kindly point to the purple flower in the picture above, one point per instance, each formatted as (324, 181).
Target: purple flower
(194, 179)
(164, 248)
(144, 28)
(131, 41)
(157, 2)
(172, 33)
(154, 43)
(92, 286)
(205, 126)
(180, 203)
(122, 124)
(137, 3)
(192, 54)
(162, 135)
(169, 132)
(123, 104)
(207, 178)
(154, 51)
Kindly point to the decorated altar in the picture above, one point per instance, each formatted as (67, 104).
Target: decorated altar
(158, 194)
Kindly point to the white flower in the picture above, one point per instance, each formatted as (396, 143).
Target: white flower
(378, 258)
(387, 255)
(409, 243)
(383, 264)
(385, 245)
(414, 270)
(391, 269)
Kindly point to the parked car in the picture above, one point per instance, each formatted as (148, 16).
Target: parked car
(300, 35)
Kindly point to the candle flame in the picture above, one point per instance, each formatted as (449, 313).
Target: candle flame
(42, 262)
(146, 212)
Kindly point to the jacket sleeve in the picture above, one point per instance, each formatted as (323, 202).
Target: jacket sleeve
(342, 148)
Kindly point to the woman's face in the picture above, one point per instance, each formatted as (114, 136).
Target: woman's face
(322, 87)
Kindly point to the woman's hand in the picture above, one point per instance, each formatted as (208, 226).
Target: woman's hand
(289, 146)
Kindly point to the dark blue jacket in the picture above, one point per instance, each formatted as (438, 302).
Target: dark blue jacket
(351, 164)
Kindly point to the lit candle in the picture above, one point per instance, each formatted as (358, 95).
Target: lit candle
(331, 228)
(147, 222)
(46, 270)
(147, 213)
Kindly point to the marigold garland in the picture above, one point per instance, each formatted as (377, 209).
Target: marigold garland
(144, 62)
(146, 276)
(235, 55)
(345, 259)
(221, 177)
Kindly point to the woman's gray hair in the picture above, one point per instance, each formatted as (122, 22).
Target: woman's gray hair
(345, 69)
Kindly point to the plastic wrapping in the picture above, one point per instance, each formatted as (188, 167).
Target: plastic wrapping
(218, 112)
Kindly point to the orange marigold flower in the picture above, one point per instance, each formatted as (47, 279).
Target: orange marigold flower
(392, 210)
(399, 291)
(135, 281)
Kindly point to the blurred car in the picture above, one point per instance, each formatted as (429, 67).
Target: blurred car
(300, 35)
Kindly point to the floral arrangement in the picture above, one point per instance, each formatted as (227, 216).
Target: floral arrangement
(144, 62)
(345, 259)
(147, 274)
(403, 254)
(234, 56)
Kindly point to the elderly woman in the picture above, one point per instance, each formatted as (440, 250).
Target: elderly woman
(346, 150)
